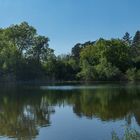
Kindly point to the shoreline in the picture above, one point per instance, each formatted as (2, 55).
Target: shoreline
(42, 82)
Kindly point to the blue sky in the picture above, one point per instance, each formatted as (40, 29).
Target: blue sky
(67, 22)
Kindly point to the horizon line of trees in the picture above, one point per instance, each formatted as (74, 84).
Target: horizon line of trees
(25, 55)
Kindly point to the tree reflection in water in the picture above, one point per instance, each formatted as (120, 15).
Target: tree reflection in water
(22, 113)
(24, 110)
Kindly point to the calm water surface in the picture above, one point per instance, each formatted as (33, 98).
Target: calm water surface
(68, 112)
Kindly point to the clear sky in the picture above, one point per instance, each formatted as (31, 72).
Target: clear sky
(67, 22)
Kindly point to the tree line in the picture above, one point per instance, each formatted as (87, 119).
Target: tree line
(26, 56)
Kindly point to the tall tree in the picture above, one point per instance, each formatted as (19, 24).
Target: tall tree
(76, 50)
(21, 35)
(127, 38)
(40, 49)
(136, 39)
(136, 50)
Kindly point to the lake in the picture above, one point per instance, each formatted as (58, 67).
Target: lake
(68, 111)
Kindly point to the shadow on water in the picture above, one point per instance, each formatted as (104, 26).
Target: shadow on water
(24, 110)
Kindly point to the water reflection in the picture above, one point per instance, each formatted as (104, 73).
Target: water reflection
(24, 110)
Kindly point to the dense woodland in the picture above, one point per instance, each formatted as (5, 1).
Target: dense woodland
(26, 56)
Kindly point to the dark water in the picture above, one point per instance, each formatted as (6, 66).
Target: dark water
(68, 112)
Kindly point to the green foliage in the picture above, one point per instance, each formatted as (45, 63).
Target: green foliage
(23, 52)
(106, 71)
(130, 134)
(136, 40)
(76, 51)
(133, 74)
(105, 60)
(114, 136)
(88, 72)
(21, 36)
(25, 55)
(127, 39)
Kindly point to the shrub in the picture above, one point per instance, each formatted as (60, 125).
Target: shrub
(133, 74)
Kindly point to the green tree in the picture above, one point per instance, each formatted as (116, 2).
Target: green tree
(22, 36)
(76, 51)
(40, 50)
(127, 38)
(106, 71)
(136, 39)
